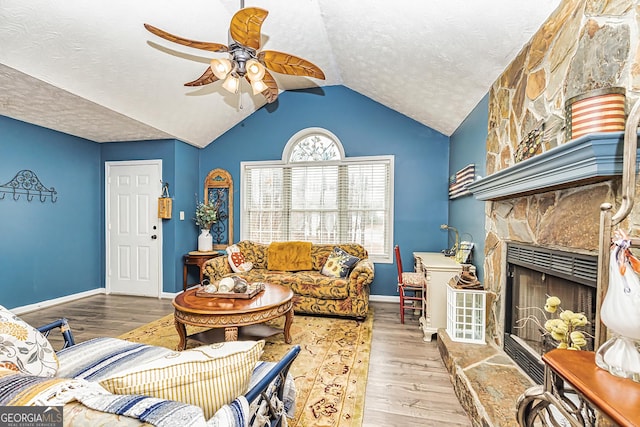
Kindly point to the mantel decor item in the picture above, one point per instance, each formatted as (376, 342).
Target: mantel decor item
(620, 355)
(599, 110)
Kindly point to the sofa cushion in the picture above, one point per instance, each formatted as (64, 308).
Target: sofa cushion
(25, 349)
(289, 256)
(339, 263)
(209, 376)
(254, 252)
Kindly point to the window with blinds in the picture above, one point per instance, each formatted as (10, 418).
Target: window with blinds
(318, 195)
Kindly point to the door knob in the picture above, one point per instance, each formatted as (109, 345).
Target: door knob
(154, 237)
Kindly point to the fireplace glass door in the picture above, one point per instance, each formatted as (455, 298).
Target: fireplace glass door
(530, 291)
(535, 273)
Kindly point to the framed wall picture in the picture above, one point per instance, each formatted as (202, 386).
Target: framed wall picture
(218, 190)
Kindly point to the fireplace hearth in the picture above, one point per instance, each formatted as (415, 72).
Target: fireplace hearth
(533, 274)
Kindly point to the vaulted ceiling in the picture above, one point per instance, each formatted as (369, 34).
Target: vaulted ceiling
(90, 69)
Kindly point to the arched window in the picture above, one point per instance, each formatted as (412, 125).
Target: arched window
(316, 193)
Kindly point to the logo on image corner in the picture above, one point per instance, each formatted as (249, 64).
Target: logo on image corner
(31, 416)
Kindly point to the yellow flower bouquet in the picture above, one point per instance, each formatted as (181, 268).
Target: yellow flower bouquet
(564, 327)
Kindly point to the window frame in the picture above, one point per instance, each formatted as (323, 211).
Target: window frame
(389, 160)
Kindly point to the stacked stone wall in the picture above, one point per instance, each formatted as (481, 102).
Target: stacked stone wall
(584, 45)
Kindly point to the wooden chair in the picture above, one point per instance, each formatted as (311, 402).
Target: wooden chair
(410, 286)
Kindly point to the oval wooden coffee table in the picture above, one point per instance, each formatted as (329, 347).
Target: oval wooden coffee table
(239, 318)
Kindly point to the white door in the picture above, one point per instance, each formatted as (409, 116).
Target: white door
(133, 230)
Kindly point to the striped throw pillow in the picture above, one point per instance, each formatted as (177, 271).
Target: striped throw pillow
(209, 376)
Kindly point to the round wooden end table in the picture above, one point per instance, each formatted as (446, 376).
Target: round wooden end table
(238, 318)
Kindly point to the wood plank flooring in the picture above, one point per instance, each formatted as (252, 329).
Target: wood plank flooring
(408, 384)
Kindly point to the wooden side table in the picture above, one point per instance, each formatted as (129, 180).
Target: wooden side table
(575, 388)
(198, 259)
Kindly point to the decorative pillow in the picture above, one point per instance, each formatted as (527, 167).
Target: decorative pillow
(209, 376)
(24, 348)
(289, 256)
(236, 260)
(339, 263)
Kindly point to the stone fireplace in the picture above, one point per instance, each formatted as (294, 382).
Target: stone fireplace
(541, 201)
(584, 45)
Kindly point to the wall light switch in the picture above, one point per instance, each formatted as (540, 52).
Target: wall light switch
(181, 215)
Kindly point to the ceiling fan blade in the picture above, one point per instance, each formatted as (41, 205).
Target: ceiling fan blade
(245, 26)
(205, 79)
(212, 47)
(286, 63)
(271, 94)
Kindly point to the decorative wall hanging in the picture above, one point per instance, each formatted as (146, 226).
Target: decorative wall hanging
(530, 145)
(218, 189)
(26, 183)
(165, 203)
(458, 183)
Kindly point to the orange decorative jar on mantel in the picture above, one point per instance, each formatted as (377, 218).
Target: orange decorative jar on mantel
(599, 110)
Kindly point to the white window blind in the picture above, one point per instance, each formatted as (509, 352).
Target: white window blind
(325, 201)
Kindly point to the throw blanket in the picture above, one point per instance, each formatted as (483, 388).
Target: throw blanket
(17, 389)
(289, 256)
(99, 358)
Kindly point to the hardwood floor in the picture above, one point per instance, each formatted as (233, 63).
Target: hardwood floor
(408, 384)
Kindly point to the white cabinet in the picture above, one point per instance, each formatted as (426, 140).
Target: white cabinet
(438, 269)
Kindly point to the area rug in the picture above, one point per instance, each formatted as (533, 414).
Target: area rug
(330, 372)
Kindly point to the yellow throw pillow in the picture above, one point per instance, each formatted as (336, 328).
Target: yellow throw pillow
(209, 376)
(289, 256)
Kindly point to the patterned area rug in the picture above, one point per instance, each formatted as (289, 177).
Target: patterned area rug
(330, 372)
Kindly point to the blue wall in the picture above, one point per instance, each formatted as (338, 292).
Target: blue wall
(365, 128)
(49, 250)
(468, 145)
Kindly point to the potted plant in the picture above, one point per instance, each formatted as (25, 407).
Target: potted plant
(206, 216)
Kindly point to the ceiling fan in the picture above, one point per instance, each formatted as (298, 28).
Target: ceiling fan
(246, 60)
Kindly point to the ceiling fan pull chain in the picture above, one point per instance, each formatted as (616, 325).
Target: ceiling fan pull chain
(240, 98)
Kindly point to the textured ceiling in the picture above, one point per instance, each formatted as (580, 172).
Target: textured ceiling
(90, 69)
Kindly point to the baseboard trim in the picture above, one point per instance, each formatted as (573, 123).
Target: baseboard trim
(49, 303)
(165, 295)
(384, 298)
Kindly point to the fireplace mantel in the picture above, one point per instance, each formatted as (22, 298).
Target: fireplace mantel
(588, 159)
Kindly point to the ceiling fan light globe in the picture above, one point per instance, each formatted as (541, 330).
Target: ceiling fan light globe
(220, 67)
(231, 84)
(258, 86)
(255, 70)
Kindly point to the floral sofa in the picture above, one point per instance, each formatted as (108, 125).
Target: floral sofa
(108, 381)
(314, 292)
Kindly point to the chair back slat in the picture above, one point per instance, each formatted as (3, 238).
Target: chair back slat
(396, 249)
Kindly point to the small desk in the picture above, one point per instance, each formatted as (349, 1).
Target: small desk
(587, 386)
(198, 259)
(438, 270)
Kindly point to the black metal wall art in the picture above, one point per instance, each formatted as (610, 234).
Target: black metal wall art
(26, 183)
